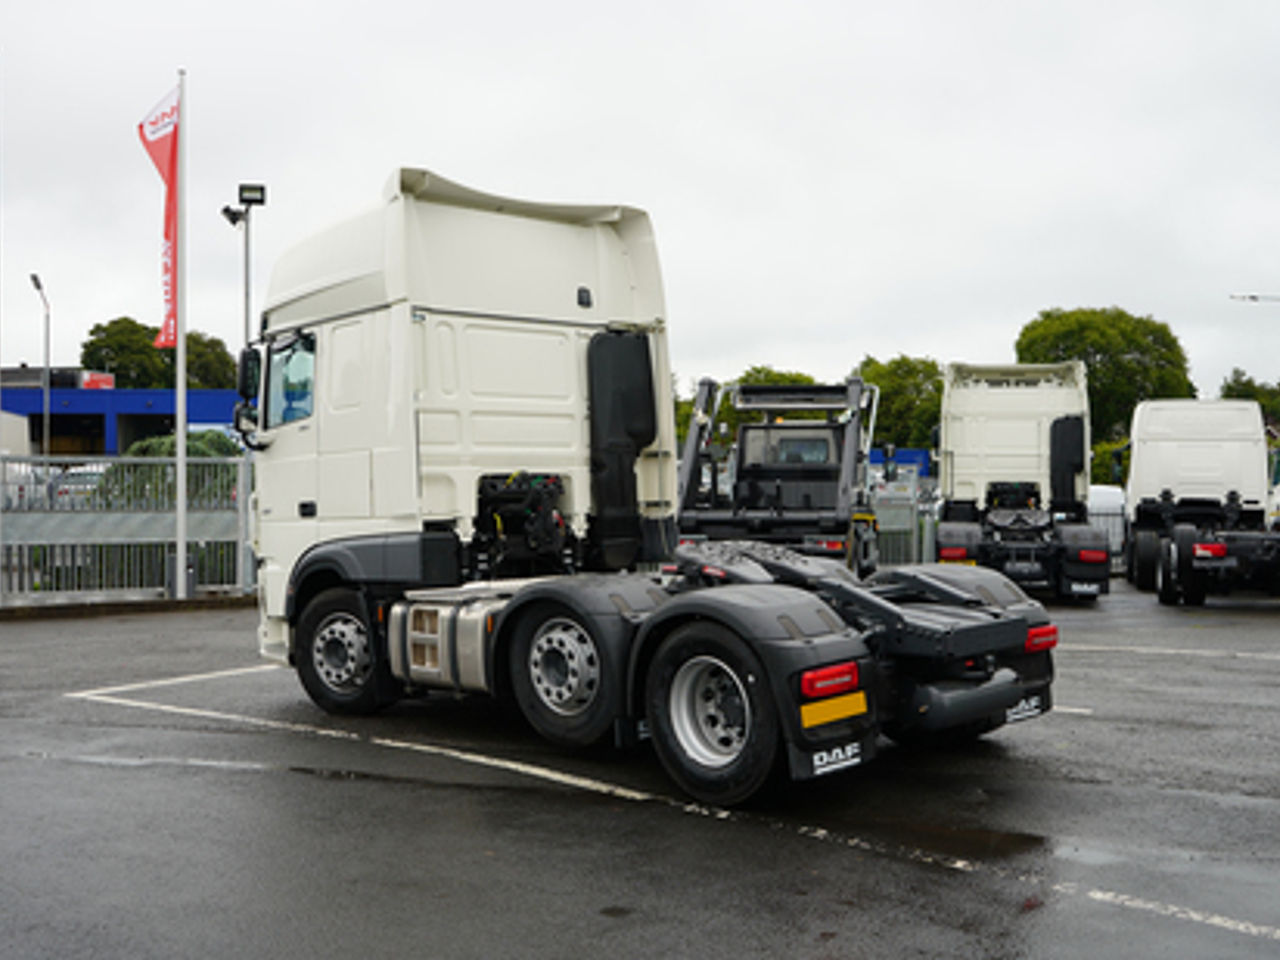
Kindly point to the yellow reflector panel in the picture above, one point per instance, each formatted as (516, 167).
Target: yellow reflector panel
(837, 708)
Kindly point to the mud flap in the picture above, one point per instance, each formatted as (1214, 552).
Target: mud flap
(806, 762)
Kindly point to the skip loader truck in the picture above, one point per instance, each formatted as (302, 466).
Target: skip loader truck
(798, 482)
(466, 482)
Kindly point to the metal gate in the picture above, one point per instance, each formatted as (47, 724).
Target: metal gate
(83, 529)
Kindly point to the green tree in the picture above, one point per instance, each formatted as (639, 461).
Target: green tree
(1241, 386)
(1128, 358)
(210, 486)
(123, 346)
(1105, 468)
(210, 365)
(910, 399)
(200, 443)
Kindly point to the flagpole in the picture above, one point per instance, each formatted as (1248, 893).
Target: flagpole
(180, 357)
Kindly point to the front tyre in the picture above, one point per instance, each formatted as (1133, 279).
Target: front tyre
(562, 677)
(335, 654)
(711, 714)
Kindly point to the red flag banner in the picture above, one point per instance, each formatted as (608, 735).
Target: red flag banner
(159, 133)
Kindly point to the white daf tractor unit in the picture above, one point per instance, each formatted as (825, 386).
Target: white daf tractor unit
(1197, 499)
(466, 482)
(1014, 474)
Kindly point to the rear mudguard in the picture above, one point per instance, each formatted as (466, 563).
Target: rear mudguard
(611, 606)
(790, 630)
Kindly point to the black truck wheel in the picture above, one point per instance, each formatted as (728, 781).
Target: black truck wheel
(562, 678)
(711, 714)
(335, 655)
(1191, 581)
(1166, 585)
(1146, 559)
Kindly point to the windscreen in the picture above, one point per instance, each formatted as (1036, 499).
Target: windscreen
(768, 446)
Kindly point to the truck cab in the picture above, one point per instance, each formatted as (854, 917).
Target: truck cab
(1197, 497)
(457, 385)
(1014, 474)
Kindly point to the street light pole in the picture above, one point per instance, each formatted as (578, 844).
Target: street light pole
(251, 195)
(44, 378)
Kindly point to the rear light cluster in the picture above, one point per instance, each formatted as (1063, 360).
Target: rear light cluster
(1093, 556)
(1041, 638)
(826, 544)
(952, 553)
(829, 681)
(1209, 551)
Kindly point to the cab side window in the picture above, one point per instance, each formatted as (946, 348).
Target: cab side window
(291, 367)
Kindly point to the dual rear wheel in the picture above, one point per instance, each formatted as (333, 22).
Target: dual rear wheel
(711, 715)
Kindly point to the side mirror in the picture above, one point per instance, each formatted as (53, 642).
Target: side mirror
(1117, 463)
(246, 424)
(248, 374)
(246, 417)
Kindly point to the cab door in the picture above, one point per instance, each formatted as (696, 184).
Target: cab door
(286, 468)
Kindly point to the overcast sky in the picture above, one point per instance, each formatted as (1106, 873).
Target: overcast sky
(827, 180)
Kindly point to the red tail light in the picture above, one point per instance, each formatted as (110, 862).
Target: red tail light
(831, 544)
(1093, 556)
(952, 553)
(1214, 551)
(829, 681)
(1041, 638)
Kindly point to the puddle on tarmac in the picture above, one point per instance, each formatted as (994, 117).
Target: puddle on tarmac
(963, 843)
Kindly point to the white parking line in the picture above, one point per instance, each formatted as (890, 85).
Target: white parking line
(172, 681)
(1170, 652)
(591, 785)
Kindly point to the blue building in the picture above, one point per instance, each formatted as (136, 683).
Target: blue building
(85, 422)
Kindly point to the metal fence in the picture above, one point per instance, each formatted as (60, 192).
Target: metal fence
(80, 528)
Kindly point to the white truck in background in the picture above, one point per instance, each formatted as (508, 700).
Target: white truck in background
(1197, 499)
(466, 482)
(1014, 476)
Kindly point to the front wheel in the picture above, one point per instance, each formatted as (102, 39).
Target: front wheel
(334, 651)
(711, 714)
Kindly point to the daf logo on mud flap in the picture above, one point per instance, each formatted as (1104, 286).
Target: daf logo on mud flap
(1025, 708)
(837, 758)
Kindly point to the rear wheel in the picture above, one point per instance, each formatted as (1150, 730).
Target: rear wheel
(562, 678)
(711, 714)
(335, 654)
(1146, 559)
(1166, 586)
(1191, 581)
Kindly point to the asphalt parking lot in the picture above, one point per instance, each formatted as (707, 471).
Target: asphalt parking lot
(163, 793)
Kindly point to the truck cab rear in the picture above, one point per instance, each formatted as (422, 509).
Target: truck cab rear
(1014, 473)
(1197, 499)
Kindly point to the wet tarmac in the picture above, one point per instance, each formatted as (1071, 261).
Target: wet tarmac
(163, 793)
